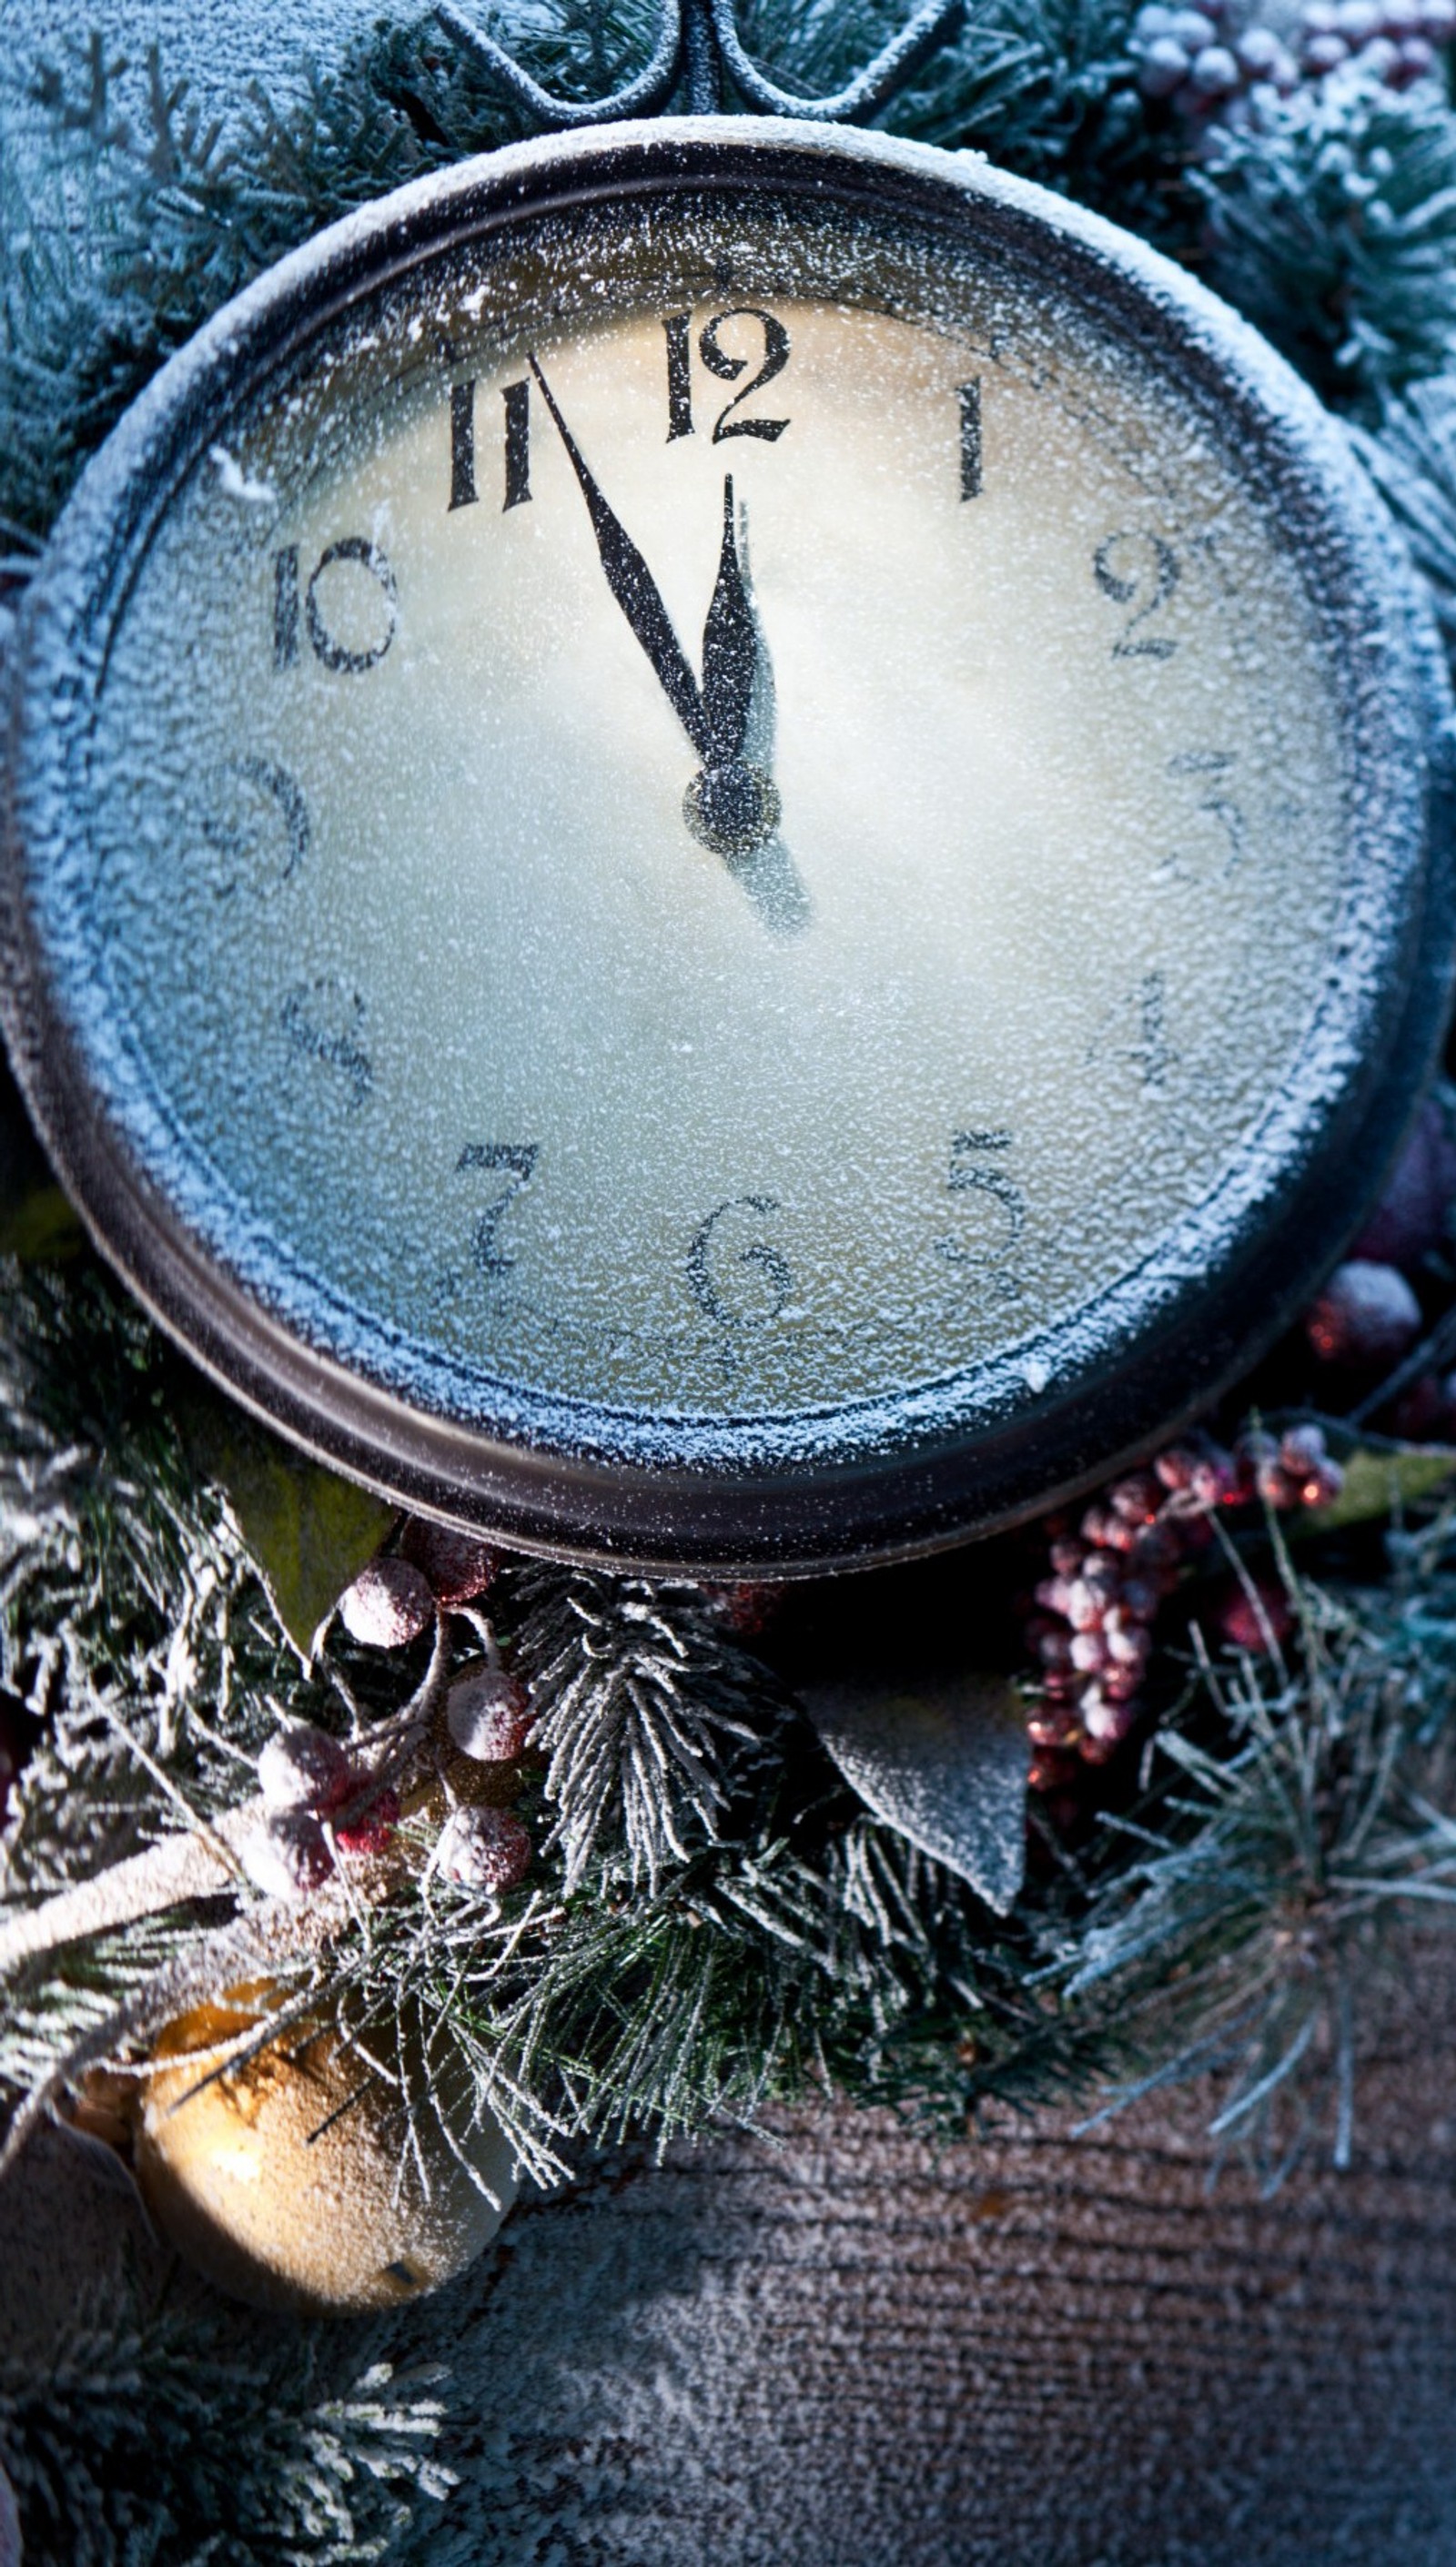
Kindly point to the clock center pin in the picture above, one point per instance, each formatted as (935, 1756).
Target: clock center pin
(732, 810)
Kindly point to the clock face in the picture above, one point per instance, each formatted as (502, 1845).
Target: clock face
(725, 832)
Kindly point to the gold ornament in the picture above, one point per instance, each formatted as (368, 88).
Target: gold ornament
(293, 2178)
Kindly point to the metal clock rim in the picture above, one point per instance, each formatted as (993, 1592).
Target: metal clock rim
(795, 1519)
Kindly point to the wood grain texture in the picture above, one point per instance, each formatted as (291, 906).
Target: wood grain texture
(837, 2348)
(848, 2352)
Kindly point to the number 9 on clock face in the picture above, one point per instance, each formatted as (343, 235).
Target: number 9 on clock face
(721, 855)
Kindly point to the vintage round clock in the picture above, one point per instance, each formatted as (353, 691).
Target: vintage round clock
(724, 845)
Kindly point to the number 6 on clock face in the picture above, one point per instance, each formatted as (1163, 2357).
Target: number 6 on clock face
(737, 859)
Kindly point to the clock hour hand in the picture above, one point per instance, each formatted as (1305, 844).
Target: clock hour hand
(634, 588)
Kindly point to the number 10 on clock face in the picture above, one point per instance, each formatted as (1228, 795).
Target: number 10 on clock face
(727, 851)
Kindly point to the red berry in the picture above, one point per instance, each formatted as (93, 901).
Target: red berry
(1175, 1468)
(1129, 1645)
(1365, 1319)
(485, 1849)
(389, 1604)
(1301, 1450)
(304, 1768)
(1122, 1685)
(488, 1715)
(457, 1566)
(1083, 1608)
(1106, 1722)
(1137, 1497)
(1253, 1624)
(1213, 1481)
(371, 1832)
(287, 1857)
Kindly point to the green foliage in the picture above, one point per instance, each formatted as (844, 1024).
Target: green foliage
(792, 1946)
(1412, 461)
(1046, 89)
(1331, 225)
(1252, 1922)
(121, 238)
(1050, 92)
(635, 1697)
(133, 1622)
(151, 2440)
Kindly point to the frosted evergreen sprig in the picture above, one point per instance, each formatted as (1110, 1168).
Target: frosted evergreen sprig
(136, 223)
(1412, 460)
(1331, 225)
(132, 1621)
(637, 1703)
(1049, 90)
(144, 2439)
(759, 1968)
(1249, 1924)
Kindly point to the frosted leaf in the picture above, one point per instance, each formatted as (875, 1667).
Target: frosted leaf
(943, 1758)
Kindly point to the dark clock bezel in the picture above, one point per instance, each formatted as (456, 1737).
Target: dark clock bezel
(904, 1495)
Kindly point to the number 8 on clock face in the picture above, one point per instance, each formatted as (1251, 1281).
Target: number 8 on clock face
(737, 878)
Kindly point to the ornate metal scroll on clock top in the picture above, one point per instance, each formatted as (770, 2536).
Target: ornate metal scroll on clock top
(725, 845)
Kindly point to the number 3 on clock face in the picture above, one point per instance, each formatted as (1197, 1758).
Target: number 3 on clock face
(716, 818)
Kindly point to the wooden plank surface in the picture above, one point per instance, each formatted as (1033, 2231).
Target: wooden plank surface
(848, 2351)
(844, 2350)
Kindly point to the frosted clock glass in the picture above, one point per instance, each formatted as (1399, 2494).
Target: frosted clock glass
(724, 845)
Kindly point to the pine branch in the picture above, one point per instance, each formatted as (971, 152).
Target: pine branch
(801, 1947)
(1412, 461)
(133, 1622)
(148, 2440)
(640, 1705)
(1332, 227)
(1251, 1923)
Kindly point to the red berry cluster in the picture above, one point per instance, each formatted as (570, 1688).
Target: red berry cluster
(1394, 41)
(1212, 72)
(488, 1720)
(319, 1801)
(397, 1594)
(1092, 1634)
(319, 1797)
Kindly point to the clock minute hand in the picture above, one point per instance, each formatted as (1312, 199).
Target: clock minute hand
(635, 590)
(729, 651)
(731, 806)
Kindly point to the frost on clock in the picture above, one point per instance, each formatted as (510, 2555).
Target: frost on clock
(402, 966)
